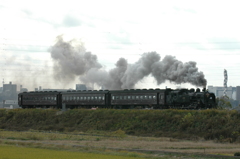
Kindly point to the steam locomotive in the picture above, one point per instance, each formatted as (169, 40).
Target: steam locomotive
(120, 99)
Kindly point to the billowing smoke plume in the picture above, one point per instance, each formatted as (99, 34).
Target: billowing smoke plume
(72, 61)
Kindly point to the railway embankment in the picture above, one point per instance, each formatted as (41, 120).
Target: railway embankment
(219, 125)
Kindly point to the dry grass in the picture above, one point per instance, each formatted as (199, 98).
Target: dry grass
(89, 142)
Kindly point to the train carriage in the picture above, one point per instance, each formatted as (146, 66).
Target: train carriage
(85, 99)
(39, 99)
(125, 99)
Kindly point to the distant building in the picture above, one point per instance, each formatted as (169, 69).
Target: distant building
(23, 89)
(231, 92)
(219, 91)
(10, 104)
(9, 91)
(81, 87)
(238, 93)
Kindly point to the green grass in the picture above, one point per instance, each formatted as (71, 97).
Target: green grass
(13, 152)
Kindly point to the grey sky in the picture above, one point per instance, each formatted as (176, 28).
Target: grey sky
(206, 32)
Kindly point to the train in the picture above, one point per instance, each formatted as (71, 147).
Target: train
(120, 99)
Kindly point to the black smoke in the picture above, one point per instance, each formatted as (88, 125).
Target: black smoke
(71, 60)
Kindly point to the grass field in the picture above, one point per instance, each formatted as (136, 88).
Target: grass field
(115, 144)
(130, 133)
(15, 152)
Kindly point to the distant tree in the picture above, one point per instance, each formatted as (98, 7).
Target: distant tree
(224, 102)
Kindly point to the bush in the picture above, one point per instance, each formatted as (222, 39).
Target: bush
(220, 125)
(237, 154)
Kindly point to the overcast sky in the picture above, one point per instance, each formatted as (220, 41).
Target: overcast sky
(206, 32)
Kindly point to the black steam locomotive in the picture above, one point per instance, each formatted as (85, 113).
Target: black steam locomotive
(120, 99)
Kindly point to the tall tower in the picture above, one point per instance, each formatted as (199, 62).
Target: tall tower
(225, 82)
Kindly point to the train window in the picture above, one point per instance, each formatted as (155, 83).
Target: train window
(129, 97)
(99, 97)
(88, 98)
(137, 97)
(103, 97)
(113, 97)
(74, 98)
(120, 97)
(150, 97)
(145, 97)
(154, 97)
(133, 97)
(124, 97)
(84, 98)
(141, 97)
(92, 98)
(96, 98)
